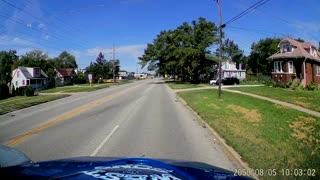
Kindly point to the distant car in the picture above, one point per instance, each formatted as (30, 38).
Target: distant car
(229, 81)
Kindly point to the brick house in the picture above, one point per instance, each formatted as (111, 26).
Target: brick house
(296, 60)
(65, 76)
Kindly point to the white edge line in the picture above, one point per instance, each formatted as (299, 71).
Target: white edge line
(104, 141)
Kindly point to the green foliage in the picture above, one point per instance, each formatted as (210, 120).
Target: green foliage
(13, 92)
(288, 84)
(232, 52)
(102, 68)
(182, 51)
(29, 91)
(312, 86)
(270, 83)
(7, 60)
(4, 91)
(100, 81)
(282, 85)
(260, 51)
(66, 60)
(20, 91)
(80, 78)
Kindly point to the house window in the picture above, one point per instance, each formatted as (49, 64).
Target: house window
(278, 66)
(36, 72)
(286, 48)
(23, 82)
(290, 66)
(16, 83)
(18, 74)
(318, 70)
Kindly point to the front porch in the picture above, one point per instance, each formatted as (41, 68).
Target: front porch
(38, 84)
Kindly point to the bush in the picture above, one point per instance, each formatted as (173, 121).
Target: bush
(282, 85)
(100, 81)
(270, 83)
(4, 91)
(20, 91)
(311, 86)
(288, 84)
(13, 91)
(29, 91)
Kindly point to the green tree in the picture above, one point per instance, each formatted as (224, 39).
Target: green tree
(232, 52)
(7, 60)
(35, 58)
(260, 51)
(182, 51)
(66, 60)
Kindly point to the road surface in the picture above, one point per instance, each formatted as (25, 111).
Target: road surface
(140, 119)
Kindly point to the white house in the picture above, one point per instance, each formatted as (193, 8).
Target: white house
(29, 76)
(229, 69)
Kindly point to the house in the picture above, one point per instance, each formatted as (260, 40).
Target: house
(229, 69)
(65, 76)
(29, 76)
(123, 75)
(296, 61)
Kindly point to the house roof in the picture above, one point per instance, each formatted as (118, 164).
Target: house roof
(300, 51)
(25, 72)
(65, 71)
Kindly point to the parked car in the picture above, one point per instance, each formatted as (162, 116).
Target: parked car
(229, 81)
(213, 81)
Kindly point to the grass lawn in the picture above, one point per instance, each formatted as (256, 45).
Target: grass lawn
(19, 102)
(82, 87)
(266, 135)
(249, 83)
(185, 85)
(307, 99)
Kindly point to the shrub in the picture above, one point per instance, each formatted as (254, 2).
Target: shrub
(4, 91)
(270, 82)
(282, 85)
(311, 86)
(29, 91)
(13, 91)
(20, 91)
(288, 84)
(100, 81)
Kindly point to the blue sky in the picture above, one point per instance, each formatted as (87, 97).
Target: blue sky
(84, 28)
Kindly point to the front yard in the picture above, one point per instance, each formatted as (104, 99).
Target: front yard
(306, 99)
(184, 85)
(266, 135)
(19, 102)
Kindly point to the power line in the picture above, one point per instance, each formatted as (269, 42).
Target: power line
(251, 8)
(40, 19)
(257, 31)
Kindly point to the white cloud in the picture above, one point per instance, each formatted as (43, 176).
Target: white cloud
(134, 51)
(29, 25)
(76, 53)
(41, 26)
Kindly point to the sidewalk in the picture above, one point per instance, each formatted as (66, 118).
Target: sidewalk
(224, 88)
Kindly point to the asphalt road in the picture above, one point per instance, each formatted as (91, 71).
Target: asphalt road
(140, 119)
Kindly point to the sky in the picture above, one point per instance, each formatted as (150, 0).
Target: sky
(84, 28)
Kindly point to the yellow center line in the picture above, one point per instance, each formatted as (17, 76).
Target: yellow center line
(74, 112)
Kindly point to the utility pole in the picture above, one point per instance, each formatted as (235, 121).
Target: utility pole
(220, 45)
(113, 54)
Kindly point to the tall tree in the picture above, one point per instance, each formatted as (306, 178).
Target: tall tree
(7, 59)
(232, 52)
(260, 51)
(182, 51)
(66, 60)
(35, 58)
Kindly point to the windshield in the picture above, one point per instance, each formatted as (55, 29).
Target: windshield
(134, 78)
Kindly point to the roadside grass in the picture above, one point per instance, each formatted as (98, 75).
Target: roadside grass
(82, 87)
(306, 99)
(266, 135)
(184, 85)
(20, 102)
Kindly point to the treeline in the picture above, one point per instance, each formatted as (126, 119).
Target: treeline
(103, 69)
(189, 52)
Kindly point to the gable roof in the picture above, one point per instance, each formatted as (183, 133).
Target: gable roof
(25, 72)
(66, 71)
(300, 51)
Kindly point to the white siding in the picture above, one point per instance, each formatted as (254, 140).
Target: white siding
(17, 81)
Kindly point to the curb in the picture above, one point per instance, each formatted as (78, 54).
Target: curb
(230, 152)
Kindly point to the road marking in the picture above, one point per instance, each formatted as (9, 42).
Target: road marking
(40, 128)
(104, 141)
